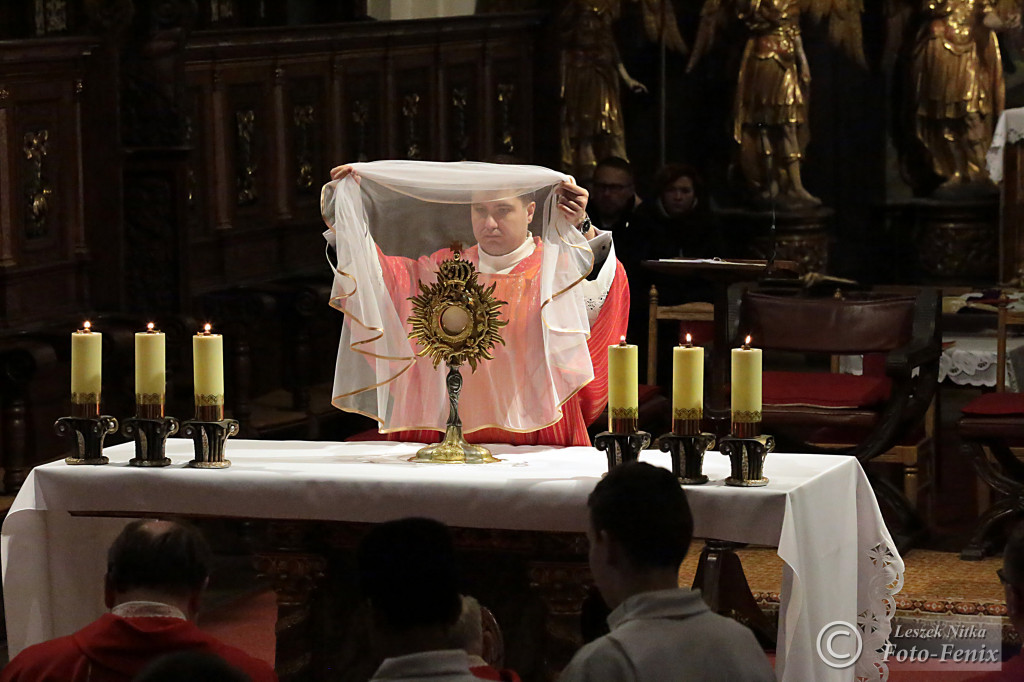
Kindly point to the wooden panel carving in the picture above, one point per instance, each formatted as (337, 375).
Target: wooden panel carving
(506, 126)
(365, 115)
(44, 182)
(304, 117)
(38, 190)
(42, 237)
(460, 123)
(51, 16)
(461, 109)
(410, 114)
(307, 130)
(511, 85)
(245, 156)
(415, 104)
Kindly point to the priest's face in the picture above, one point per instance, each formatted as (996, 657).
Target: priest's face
(500, 226)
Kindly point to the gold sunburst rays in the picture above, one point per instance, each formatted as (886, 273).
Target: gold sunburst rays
(456, 319)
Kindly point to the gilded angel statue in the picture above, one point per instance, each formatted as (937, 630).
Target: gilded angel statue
(772, 88)
(591, 68)
(952, 87)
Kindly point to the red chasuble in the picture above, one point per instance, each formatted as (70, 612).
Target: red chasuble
(510, 381)
(115, 649)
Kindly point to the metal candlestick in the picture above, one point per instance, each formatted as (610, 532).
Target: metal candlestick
(209, 438)
(150, 434)
(687, 452)
(89, 435)
(621, 447)
(747, 457)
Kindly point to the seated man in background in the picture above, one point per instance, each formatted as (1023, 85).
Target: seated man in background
(640, 529)
(408, 573)
(613, 195)
(156, 574)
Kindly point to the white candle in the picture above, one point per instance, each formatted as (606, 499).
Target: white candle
(746, 384)
(86, 370)
(150, 366)
(687, 387)
(208, 372)
(623, 402)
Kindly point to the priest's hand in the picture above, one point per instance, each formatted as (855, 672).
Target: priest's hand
(572, 202)
(342, 172)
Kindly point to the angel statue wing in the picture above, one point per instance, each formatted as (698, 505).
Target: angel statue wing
(714, 16)
(844, 24)
(661, 26)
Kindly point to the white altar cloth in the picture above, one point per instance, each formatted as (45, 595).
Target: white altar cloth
(819, 510)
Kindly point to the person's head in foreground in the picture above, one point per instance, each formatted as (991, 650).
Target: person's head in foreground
(613, 189)
(640, 529)
(158, 561)
(408, 573)
(191, 666)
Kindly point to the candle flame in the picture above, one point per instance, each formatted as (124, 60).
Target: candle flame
(622, 340)
(746, 341)
(207, 328)
(87, 325)
(689, 339)
(150, 326)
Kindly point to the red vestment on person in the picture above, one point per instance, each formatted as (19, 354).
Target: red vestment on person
(115, 649)
(515, 361)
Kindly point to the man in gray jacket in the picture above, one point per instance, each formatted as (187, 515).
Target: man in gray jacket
(640, 529)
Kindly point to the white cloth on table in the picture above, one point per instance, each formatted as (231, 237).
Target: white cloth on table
(819, 510)
(670, 635)
(1009, 130)
(971, 361)
(450, 665)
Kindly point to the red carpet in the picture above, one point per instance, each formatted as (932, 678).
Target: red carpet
(246, 622)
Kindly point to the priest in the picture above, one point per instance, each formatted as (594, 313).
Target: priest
(566, 298)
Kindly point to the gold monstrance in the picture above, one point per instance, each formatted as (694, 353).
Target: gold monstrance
(456, 320)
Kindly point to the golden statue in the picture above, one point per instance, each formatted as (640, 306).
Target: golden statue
(592, 126)
(770, 103)
(954, 90)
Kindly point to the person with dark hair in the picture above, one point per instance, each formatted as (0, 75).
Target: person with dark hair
(156, 574)
(613, 195)
(409, 575)
(675, 223)
(193, 666)
(640, 530)
(1011, 575)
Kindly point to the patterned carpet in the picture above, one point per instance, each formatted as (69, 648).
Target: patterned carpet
(934, 582)
(937, 585)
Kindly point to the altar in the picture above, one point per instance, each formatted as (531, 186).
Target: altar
(819, 510)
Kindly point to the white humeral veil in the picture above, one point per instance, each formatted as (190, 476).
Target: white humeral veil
(389, 230)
